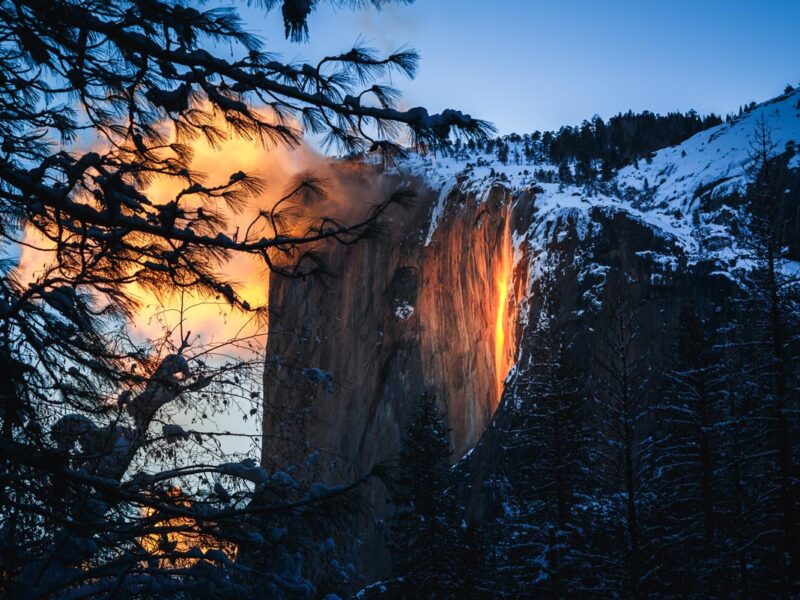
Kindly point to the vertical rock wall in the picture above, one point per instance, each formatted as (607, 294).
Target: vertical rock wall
(400, 317)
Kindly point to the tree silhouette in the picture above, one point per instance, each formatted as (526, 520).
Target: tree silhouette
(423, 540)
(139, 81)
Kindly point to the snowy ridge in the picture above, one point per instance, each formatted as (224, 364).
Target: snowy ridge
(714, 158)
(670, 191)
(438, 209)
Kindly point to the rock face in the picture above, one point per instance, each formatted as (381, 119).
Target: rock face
(616, 253)
(401, 317)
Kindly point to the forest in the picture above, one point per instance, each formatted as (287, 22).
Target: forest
(650, 454)
(624, 139)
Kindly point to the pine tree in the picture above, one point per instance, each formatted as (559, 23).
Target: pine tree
(423, 534)
(772, 309)
(624, 375)
(689, 453)
(502, 151)
(545, 461)
(564, 172)
(740, 510)
(80, 401)
(474, 568)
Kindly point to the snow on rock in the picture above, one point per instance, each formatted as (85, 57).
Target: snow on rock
(319, 376)
(438, 210)
(404, 311)
(714, 159)
(670, 191)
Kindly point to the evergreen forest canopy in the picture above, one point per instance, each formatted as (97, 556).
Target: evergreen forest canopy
(600, 147)
(647, 442)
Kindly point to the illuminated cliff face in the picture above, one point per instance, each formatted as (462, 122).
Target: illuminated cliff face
(402, 317)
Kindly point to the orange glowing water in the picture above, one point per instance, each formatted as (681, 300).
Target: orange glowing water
(502, 325)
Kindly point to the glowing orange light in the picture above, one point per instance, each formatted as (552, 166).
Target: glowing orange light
(212, 320)
(502, 325)
(178, 536)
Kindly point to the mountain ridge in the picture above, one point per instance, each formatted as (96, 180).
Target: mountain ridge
(660, 190)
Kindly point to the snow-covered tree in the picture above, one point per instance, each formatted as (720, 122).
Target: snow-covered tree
(689, 459)
(624, 376)
(139, 82)
(770, 322)
(545, 460)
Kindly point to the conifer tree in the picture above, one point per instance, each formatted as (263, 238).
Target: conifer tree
(740, 510)
(423, 537)
(474, 569)
(80, 400)
(545, 461)
(502, 152)
(624, 375)
(771, 310)
(689, 453)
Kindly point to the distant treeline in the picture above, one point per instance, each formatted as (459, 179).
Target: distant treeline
(599, 147)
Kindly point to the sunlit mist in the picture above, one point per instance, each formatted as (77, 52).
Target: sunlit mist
(210, 321)
(213, 320)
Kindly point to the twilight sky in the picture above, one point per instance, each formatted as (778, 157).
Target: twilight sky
(531, 64)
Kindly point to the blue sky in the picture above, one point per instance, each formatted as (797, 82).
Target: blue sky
(528, 65)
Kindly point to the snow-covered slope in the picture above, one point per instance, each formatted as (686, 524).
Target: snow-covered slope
(673, 191)
(714, 160)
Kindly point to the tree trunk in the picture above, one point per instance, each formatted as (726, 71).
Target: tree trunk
(783, 433)
(630, 488)
(706, 466)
